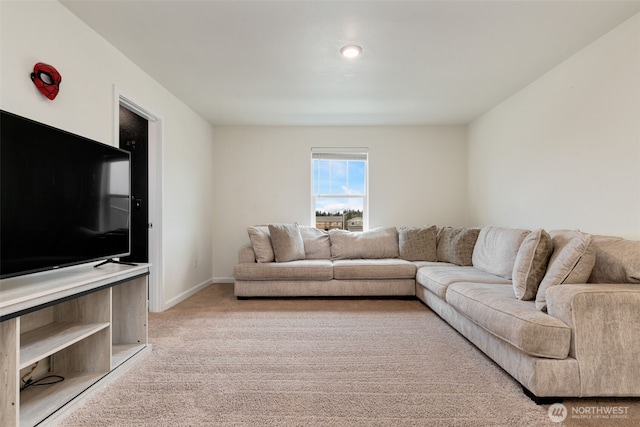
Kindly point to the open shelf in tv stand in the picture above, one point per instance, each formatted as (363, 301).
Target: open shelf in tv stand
(85, 324)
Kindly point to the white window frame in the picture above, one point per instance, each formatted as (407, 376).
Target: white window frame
(341, 153)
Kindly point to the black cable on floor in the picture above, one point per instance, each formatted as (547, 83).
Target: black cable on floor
(30, 382)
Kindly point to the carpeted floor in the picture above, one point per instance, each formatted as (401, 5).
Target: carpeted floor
(217, 361)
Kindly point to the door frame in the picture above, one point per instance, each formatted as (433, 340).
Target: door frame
(156, 253)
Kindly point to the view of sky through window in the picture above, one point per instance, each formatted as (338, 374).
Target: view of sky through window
(336, 182)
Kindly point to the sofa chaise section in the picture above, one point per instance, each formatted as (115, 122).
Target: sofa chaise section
(540, 377)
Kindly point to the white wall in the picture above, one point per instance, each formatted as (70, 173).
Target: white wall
(418, 175)
(565, 151)
(47, 32)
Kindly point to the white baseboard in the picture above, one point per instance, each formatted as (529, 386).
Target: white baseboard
(183, 296)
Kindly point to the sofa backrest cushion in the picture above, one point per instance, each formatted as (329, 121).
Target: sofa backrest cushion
(455, 245)
(617, 260)
(496, 249)
(531, 264)
(572, 260)
(261, 243)
(418, 243)
(316, 242)
(374, 244)
(287, 242)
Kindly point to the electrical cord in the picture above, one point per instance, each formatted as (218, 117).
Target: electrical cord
(30, 382)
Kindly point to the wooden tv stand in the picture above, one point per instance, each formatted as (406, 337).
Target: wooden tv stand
(84, 324)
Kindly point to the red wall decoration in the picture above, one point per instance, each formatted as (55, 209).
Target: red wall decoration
(47, 79)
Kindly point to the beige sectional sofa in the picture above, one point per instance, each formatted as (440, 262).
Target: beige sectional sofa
(559, 310)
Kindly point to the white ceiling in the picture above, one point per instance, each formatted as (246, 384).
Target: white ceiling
(278, 63)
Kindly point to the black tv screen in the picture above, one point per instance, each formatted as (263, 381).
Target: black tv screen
(64, 199)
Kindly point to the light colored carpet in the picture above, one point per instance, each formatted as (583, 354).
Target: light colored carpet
(217, 361)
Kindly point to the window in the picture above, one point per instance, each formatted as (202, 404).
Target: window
(339, 188)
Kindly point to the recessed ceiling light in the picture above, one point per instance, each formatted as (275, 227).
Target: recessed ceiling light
(351, 51)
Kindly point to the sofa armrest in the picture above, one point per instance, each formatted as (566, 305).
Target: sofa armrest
(246, 255)
(605, 336)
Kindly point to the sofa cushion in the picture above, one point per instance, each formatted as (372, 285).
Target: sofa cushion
(261, 242)
(617, 260)
(316, 242)
(315, 269)
(373, 244)
(373, 269)
(418, 243)
(287, 242)
(420, 264)
(455, 245)
(531, 264)
(496, 249)
(520, 323)
(438, 278)
(571, 262)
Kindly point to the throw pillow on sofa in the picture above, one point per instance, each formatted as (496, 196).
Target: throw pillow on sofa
(287, 242)
(261, 243)
(373, 244)
(418, 243)
(455, 245)
(531, 264)
(496, 249)
(572, 260)
(316, 242)
(617, 260)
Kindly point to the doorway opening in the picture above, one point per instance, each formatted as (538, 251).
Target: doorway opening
(140, 132)
(134, 137)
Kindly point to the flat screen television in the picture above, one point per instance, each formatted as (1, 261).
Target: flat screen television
(64, 199)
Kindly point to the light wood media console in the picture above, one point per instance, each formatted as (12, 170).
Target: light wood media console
(84, 324)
